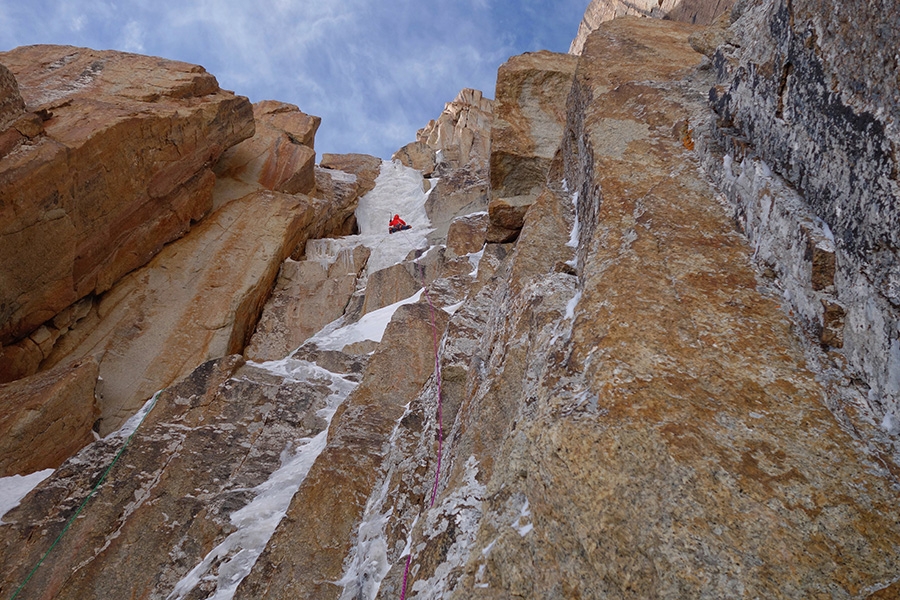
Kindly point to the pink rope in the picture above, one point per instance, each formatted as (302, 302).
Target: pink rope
(440, 419)
(406, 575)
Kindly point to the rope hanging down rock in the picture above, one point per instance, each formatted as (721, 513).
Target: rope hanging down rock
(440, 428)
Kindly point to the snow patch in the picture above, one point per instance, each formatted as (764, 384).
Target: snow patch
(398, 190)
(370, 327)
(523, 523)
(727, 162)
(887, 423)
(475, 260)
(16, 487)
(451, 310)
(131, 425)
(576, 226)
(341, 176)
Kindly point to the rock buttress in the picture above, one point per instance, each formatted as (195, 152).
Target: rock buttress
(120, 168)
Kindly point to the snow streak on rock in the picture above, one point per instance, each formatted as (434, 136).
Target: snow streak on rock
(231, 561)
(463, 506)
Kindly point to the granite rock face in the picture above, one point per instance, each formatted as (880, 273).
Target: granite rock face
(198, 299)
(121, 166)
(646, 426)
(201, 296)
(308, 295)
(619, 400)
(698, 12)
(807, 113)
(364, 166)
(53, 411)
(208, 443)
(529, 118)
(279, 157)
(16, 124)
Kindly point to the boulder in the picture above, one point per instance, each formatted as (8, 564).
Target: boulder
(364, 166)
(467, 234)
(337, 188)
(279, 157)
(417, 155)
(48, 417)
(458, 192)
(390, 285)
(121, 168)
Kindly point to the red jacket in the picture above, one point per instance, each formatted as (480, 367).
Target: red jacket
(397, 221)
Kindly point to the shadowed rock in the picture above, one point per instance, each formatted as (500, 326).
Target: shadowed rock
(46, 418)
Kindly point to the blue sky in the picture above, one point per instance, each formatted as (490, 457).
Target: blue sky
(374, 70)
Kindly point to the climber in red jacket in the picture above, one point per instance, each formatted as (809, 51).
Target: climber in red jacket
(397, 224)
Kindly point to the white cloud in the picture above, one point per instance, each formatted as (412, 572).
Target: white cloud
(78, 23)
(375, 70)
(132, 38)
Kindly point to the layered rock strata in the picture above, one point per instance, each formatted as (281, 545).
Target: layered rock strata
(119, 166)
(200, 297)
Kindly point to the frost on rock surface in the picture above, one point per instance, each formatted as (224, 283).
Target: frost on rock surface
(461, 510)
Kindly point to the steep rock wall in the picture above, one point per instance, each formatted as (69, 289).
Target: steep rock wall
(615, 405)
(121, 166)
(529, 117)
(805, 98)
(622, 418)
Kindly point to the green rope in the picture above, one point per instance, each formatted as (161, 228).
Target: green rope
(89, 496)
